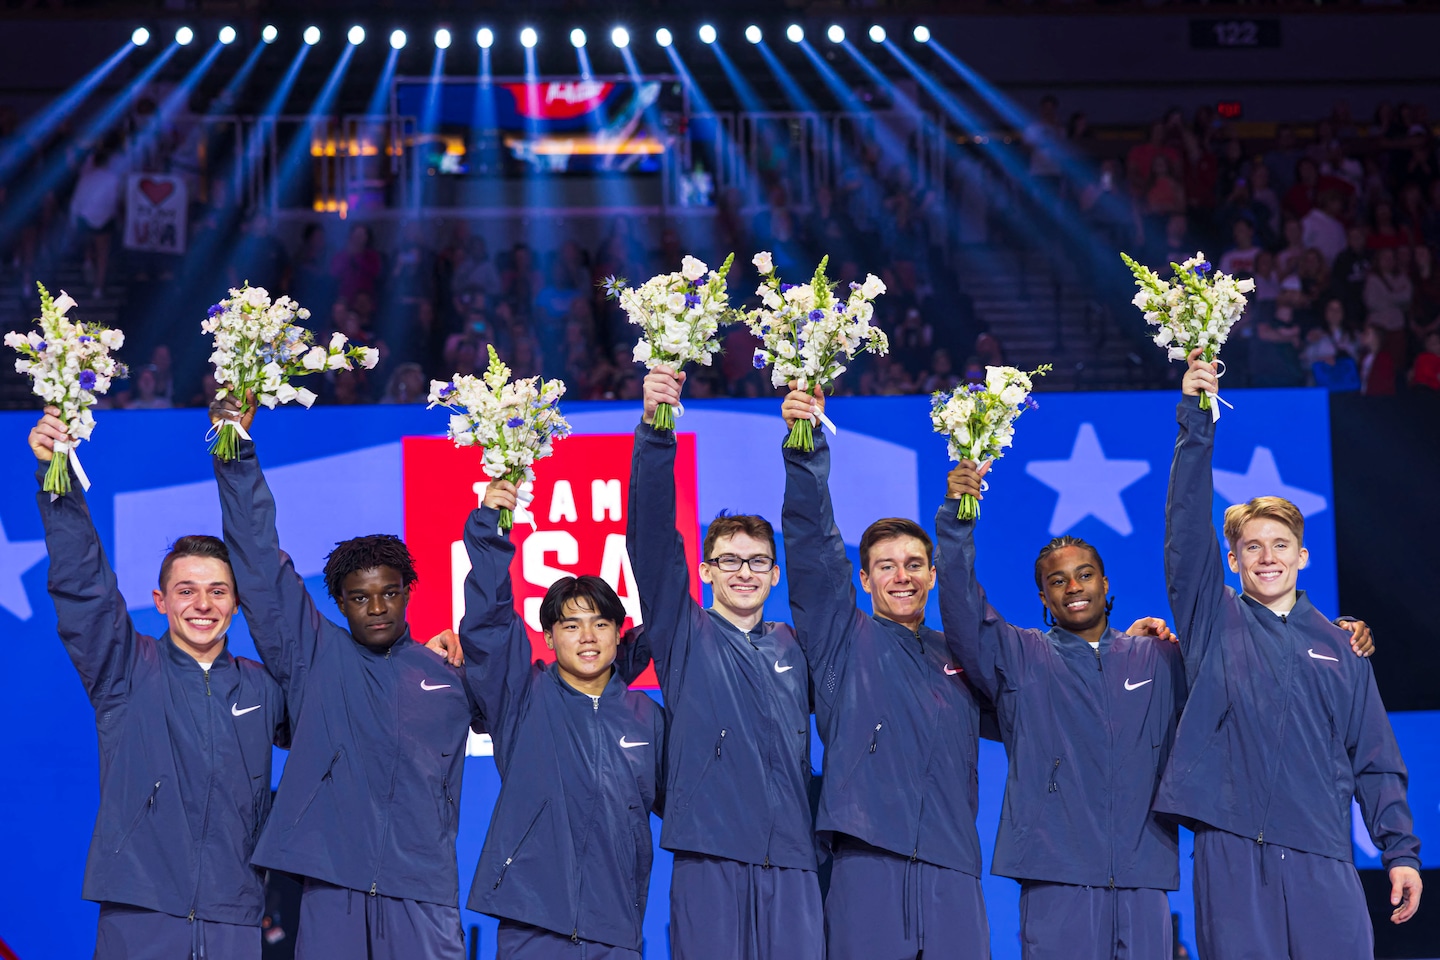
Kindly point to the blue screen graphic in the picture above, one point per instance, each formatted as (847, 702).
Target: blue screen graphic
(1091, 465)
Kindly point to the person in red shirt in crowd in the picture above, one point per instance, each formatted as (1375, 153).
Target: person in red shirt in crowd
(356, 268)
(1377, 366)
(1310, 184)
(1426, 371)
(1384, 232)
(1140, 161)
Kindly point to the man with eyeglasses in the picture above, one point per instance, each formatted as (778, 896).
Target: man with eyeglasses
(737, 696)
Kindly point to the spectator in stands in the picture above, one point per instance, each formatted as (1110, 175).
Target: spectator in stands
(1108, 205)
(1304, 192)
(1164, 194)
(1431, 228)
(1412, 213)
(521, 280)
(1377, 366)
(95, 208)
(1323, 229)
(407, 385)
(941, 375)
(1043, 137)
(146, 395)
(1140, 161)
(1264, 197)
(1383, 230)
(1349, 271)
(1281, 160)
(311, 283)
(357, 267)
(160, 365)
(1425, 374)
(1314, 281)
(1388, 293)
(1425, 305)
(413, 273)
(1240, 259)
(776, 229)
(1275, 349)
(1329, 352)
(260, 259)
(1287, 260)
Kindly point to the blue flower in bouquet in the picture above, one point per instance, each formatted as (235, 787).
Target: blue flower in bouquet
(839, 309)
(692, 300)
(817, 314)
(758, 361)
(215, 311)
(87, 377)
(447, 391)
(85, 338)
(786, 287)
(1201, 268)
(40, 347)
(514, 422)
(613, 286)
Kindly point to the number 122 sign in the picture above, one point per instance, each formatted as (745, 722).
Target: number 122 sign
(574, 525)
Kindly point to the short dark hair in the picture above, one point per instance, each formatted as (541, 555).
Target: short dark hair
(367, 553)
(195, 545)
(890, 528)
(729, 524)
(1059, 543)
(591, 591)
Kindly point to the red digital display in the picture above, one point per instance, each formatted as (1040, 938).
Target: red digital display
(1228, 109)
(580, 497)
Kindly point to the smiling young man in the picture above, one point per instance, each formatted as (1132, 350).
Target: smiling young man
(1088, 718)
(185, 734)
(566, 862)
(1281, 730)
(900, 725)
(367, 810)
(737, 697)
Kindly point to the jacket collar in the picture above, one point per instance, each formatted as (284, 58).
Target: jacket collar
(616, 686)
(184, 661)
(1073, 645)
(397, 646)
(1302, 605)
(761, 628)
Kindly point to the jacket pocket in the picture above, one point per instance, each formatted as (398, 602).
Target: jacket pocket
(515, 852)
(145, 809)
(1209, 740)
(872, 748)
(1054, 785)
(327, 777)
(716, 755)
(447, 807)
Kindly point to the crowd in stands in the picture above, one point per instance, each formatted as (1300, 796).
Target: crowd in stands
(1339, 225)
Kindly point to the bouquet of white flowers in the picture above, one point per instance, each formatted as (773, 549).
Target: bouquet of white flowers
(678, 315)
(258, 349)
(516, 422)
(1196, 308)
(980, 420)
(807, 334)
(71, 364)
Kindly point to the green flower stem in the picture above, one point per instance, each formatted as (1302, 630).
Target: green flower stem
(969, 507)
(802, 437)
(227, 443)
(664, 417)
(57, 477)
(507, 519)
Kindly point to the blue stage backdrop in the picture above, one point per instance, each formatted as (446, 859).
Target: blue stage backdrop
(1092, 465)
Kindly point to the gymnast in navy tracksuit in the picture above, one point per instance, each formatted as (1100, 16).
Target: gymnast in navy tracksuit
(185, 734)
(737, 698)
(1088, 718)
(900, 726)
(1281, 730)
(566, 862)
(369, 802)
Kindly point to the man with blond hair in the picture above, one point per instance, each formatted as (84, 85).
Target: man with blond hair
(1281, 729)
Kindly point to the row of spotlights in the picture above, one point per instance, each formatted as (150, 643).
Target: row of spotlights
(485, 38)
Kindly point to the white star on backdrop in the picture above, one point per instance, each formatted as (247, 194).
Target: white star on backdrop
(1088, 484)
(1261, 479)
(16, 557)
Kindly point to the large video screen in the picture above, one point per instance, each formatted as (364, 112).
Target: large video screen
(1091, 465)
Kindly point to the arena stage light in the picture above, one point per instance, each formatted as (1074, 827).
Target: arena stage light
(356, 36)
(311, 36)
(442, 39)
(397, 39)
(184, 35)
(620, 37)
(922, 34)
(753, 34)
(140, 37)
(877, 34)
(528, 38)
(836, 33)
(227, 35)
(664, 37)
(269, 33)
(794, 33)
(577, 38)
(485, 37)
(707, 33)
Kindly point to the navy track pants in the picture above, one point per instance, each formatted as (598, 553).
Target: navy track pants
(728, 910)
(1062, 921)
(337, 922)
(521, 941)
(134, 933)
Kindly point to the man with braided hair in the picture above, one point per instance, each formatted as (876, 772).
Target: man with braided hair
(368, 806)
(1088, 716)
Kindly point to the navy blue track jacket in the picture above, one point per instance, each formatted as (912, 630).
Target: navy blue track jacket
(184, 752)
(370, 796)
(899, 721)
(569, 845)
(1087, 734)
(1284, 724)
(737, 702)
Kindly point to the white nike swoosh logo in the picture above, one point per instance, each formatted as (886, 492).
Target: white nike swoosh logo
(439, 686)
(784, 669)
(235, 710)
(1137, 686)
(1321, 656)
(951, 671)
(627, 745)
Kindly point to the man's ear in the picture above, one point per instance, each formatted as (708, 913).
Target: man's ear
(1304, 558)
(705, 576)
(159, 597)
(865, 581)
(1234, 564)
(774, 576)
(549, 640)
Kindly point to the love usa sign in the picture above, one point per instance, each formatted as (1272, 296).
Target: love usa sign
(155, 212)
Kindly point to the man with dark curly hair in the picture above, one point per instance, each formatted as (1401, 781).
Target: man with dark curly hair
(368, 806)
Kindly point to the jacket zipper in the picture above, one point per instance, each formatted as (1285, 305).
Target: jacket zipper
(875, 736)
(209, 792)
(724, 732)
(1054, 787)
(590, 824)
(394, 770)
(144, 809)
(1109, 765)
(1280, 740)
(519, 845)
(329, 774)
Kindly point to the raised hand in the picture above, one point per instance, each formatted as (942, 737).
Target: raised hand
(1201, 377)
(966, 479)
(229, 410)
(447, 645)
(800, 405)
(45, 433)
(501, 495)
(661, 385)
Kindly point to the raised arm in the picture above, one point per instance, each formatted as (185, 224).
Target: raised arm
(283, 619)
(657, 551)
(90, 612)
(979, 637)
(1380, 785)
(497, 648)
(818, 572)
(1193, 569)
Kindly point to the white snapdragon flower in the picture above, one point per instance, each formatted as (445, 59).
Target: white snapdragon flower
(763, 262)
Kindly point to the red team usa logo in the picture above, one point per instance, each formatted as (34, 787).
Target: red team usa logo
(578, 515)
